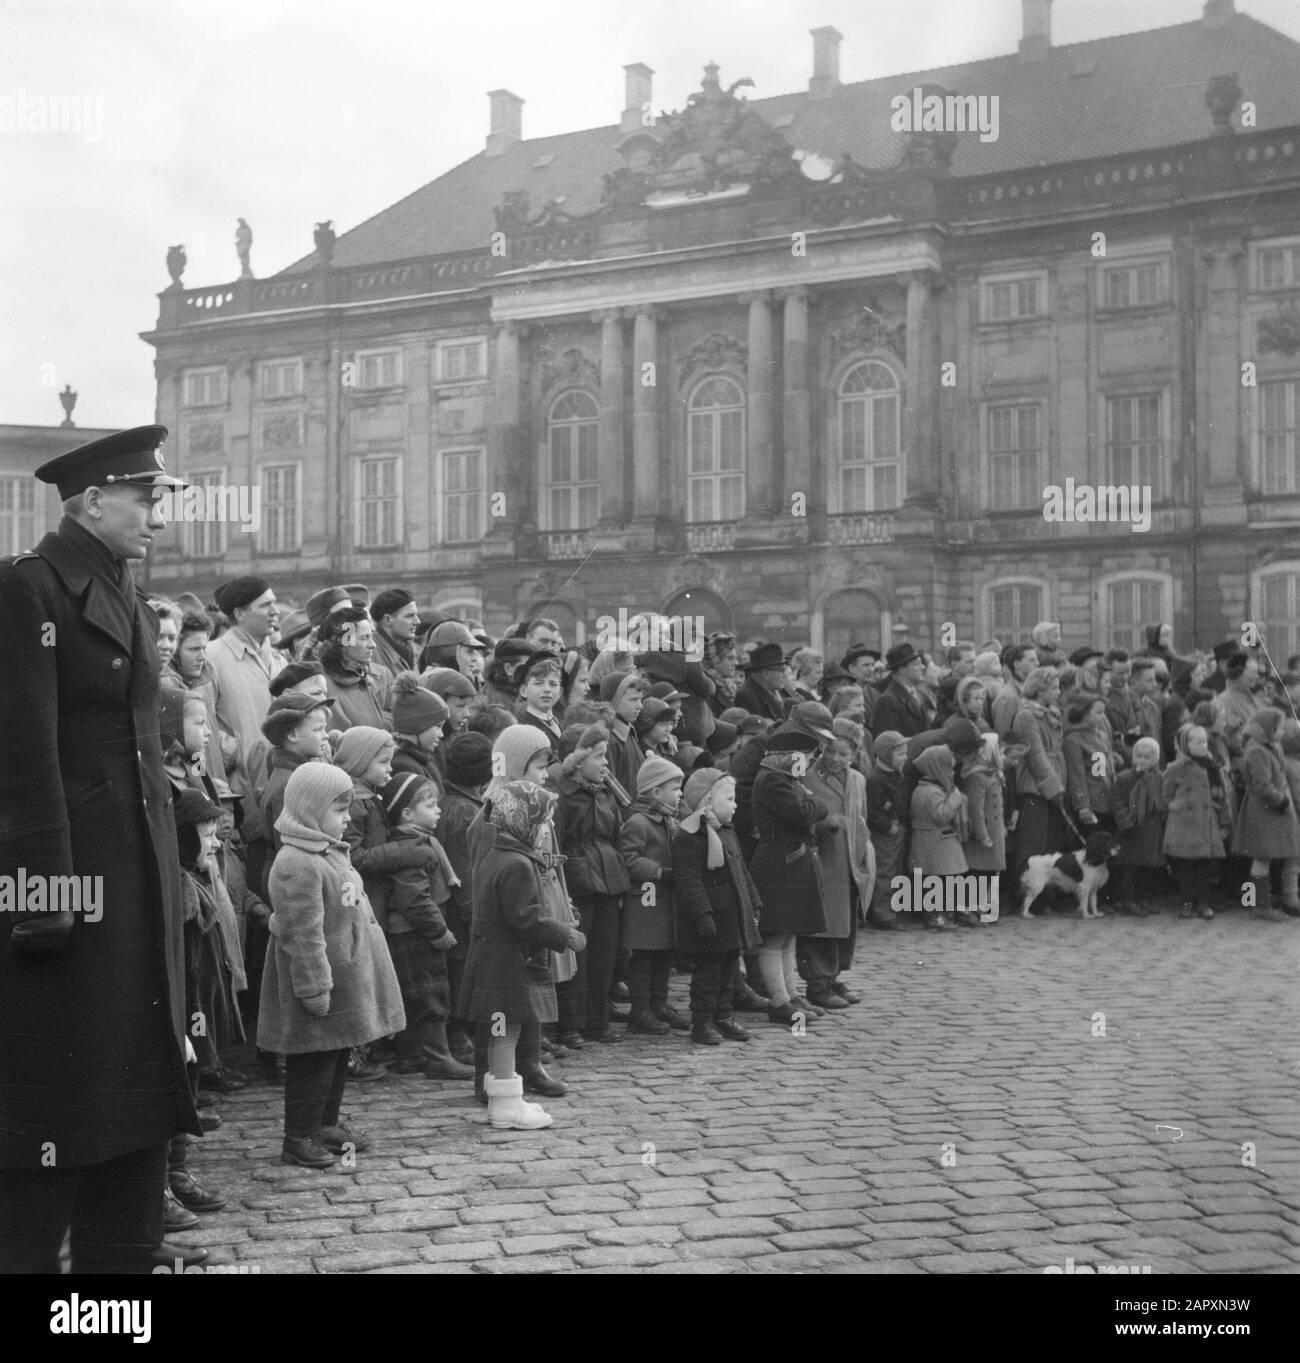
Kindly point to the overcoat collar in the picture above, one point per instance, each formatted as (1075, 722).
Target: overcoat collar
(84, 567)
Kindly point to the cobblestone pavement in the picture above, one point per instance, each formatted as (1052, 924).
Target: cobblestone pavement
(826, 1152)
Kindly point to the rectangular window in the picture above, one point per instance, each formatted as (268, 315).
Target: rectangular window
(869, 465)
(1279, 267)
(206, 538)
(1014, 611)
(461, 360)
(281, 531)
(462, 496)
(1279, 615)
(378, 504)
(717, 484)
(1015, 482)
(1134, 286)
(1131, 606)
(17, 514)
(1013, 300)
(575, 475)
(379, 368)
(1279, 450)
(281, 378)
(204, 387)
(1135, 442)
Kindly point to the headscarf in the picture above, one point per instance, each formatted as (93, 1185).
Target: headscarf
(937, 764)
(521, 809)
(311, 790)
(1262, 725)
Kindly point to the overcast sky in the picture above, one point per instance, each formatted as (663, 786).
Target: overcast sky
(286, 112)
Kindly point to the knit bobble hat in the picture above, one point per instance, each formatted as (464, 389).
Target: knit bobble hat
(517, 746)
(401, 793)
(654, 771)
(415, 708)
(468, 758)
(886, 742)
(359, 747)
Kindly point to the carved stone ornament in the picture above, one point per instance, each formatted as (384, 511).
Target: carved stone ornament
(572, 365)
(1222, 95)
(694, 571)
(1280, 335)
(513, 215)
(205, 437)
(870, 329)
(717, 350)
(281, 432)
(176, 263)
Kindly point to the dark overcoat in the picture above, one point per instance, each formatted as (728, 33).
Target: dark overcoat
(646, 844)
(729, 894)
(92, 1053)
(508, 971)
(786, 862)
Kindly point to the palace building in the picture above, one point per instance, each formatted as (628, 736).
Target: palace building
(807, 366)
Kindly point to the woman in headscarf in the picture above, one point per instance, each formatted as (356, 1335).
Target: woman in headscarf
(1040, 776)
(1268, 826)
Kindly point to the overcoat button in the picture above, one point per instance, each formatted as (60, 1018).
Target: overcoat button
(117, 662)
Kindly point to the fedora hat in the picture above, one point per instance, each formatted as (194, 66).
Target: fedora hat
(765, 655)
(899, 656)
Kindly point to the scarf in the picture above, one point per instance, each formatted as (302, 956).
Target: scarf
(658, 805)
(521, 809)
(1145, 799)
(705, 816)
(1212, 770)
(725, 688)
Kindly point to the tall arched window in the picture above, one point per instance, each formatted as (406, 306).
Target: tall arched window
(1130, 602)
(716, 451)
(869, 472)
(1012, 607)
(573, 469)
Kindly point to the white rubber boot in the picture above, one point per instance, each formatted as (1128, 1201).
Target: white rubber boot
(507, 1109)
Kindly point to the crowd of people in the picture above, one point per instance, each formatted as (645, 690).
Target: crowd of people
(408, 847)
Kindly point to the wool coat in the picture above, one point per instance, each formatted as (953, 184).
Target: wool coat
(508, 971)
(242, 675)
(728, 893)
(939, 819)
(743, 769)
(1264, 830)
(1198, 818)
(325, 939)
(1238, 705)
(374, 855)
(587, 827)
(646, 846)
(410, 757)
(1042, 772)
(460, 805)
(758, 700)
(897, 709)
(848, 859)
(786, 861)
(92, 1037)
(1140, 838)
(259, 830)
(359, 697)
(1085, 788)
(982, 786)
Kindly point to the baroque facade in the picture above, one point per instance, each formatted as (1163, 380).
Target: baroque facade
(776, 363)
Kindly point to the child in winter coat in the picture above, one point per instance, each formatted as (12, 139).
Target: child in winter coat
(508, 975)
(329, 984)
(645, 842)
(1268, 826)
(588, 824)
(716, 903)
(889, 817)
(1139, 817)
(1198, 819)
(418, 935)
(940, 824)
(985, 849)
(418, 720)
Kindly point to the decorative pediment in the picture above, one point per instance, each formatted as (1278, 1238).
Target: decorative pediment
(870, 329)
(572, 365)
(1280, 335)
(717, 350)
(716, 141)
(694, 571)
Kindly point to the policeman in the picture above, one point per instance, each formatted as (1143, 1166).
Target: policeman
(92, 1029)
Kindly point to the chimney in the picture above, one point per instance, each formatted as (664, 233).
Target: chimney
(1037, 39)
(637, 99)
(506, 122)
(826, 62)
(1218, 13)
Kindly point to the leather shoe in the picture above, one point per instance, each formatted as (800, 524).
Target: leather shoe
(209, 1121)
(221, 1080)
(731, 1030)
(647, 1022)
(673, 1018)
(446, 1067)
(311, 1154)
(822, 996)
(706, 1034)
(175, 1217)
(189, 1192)
(802, 1001)
(334, 1138)
(536, 1080)
(571, 1041)
(608, 1037)
(788, 1013)
(847, 994)
(166, 1254)
(747, 1000)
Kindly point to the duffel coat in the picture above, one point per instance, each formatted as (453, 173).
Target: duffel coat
(729, 894)
(786, 862)
(323, 940)
(940, 822)
(92, 1052)
(508, 970)
(646, 844)
(1195, 823)
(1263, 830)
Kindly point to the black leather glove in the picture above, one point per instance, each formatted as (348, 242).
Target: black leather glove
(42, 934)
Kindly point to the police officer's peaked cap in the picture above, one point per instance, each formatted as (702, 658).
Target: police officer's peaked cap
(133, 456)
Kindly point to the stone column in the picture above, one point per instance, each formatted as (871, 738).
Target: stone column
(505, 443)
(798, 470)
(761, 489)
(611, 415)
(920, 427)
(1219, 365)
(645, 413)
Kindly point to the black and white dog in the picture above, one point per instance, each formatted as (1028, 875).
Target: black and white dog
(1081, 873)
